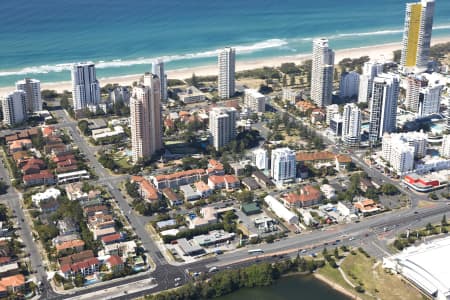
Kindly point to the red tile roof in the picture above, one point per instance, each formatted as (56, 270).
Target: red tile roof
(111, 238)
(180, 174)
(115, 260)
(307, 193)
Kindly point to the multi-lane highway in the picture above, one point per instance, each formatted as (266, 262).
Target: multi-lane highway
(372, 233)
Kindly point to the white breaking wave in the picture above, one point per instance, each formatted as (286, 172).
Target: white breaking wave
(116, 63)
(359, 34)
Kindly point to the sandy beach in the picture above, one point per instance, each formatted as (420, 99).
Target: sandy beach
(378, 52)
(336, 286)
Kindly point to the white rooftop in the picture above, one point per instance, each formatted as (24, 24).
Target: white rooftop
(427, 266)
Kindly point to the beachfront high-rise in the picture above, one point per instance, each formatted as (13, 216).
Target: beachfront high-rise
(226, 79)
(417, 36)
(85, 86)
(370, 70)
(158, 70)
(145, 116)
(322, 73)
(32, 88)
(351, 129)
(423, 95)
(222, 125)
(14, 108)
(383, 106)
(283, 167)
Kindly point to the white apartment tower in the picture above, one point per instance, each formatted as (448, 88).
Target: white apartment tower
(32, 88)
(331, 111)
(349, 85)
(417, 35)
(261, 159)
(283, 165)
(145, 117)
(400, 149)
(85, 86)
(423, 95)
(158, 70)
(370, 70)
(445, 149)
(322, 73)
(222, 125)
(351, 129)
(254, 100)
(14, 108)
(226, 79)
(383, 106)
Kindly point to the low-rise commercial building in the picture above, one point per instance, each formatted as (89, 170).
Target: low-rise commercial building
(280, 210)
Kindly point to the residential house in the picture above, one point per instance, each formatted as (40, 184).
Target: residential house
(208, 216)
(44, 177)
(307, 196)
(19, 145)
(146, 189)
(99, 233)
(49, 206)
(203, 189)
(229, 182)
(93, 209)
(172, 197)
(70, 247)
(86, 267)
(115, 264)
(9, 269)
(367, 207)
(111, 239)
(49, 194)
(12, 284)
(122, 249)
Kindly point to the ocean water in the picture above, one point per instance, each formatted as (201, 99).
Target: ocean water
(42, 38)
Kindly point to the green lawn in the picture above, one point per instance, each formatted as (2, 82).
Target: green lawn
(376, 281)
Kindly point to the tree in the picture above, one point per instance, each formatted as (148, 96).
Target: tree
(3, 188)
(194, 81)
(389, 189)
(79, 280)
(444, 220)
(397, 56)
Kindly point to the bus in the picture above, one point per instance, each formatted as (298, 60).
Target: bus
(255, 251)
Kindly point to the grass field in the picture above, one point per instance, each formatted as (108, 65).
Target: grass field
(361, 271)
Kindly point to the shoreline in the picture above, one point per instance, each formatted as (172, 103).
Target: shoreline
(377, 52)
(336, 286)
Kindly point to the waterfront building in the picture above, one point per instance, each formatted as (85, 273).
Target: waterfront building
(222, 125)
(383, 106)
(145, 115)
(254, 100)
(158, 70)
(14, 108)
(85, 86)
(283, 165)
(322, 73)
(349, 85)
(351, 129)
(417, 36)
(226, 79)
(370, 70)
(32, 88)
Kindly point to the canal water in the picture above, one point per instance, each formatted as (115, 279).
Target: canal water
(289, 288)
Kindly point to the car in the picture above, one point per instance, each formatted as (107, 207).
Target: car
(351, 238)
(416, 212)
(213, 270)
(303, 251)
(177, 279)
